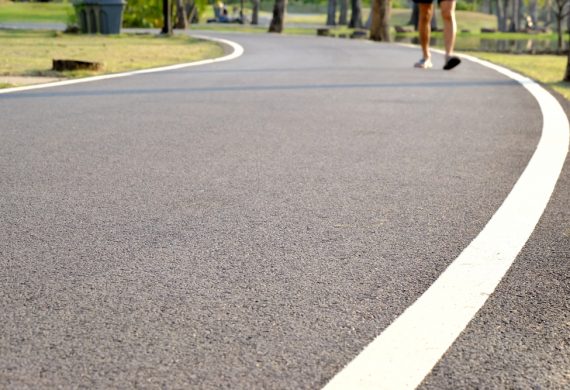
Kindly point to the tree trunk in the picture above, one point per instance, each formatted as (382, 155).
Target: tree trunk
(181, 16)
(559, 31)
(567, 74)
(380, 26)
(255, 12)
(166, 20)
(514, 16)
(548, 20)
(414, 17)
(517, 14)
(506, 14)
(190, 8)
(343, 16)
(368, 22)
(278, 20)
(502, 11)
(560, 12)
(331, 13)
(356, 14)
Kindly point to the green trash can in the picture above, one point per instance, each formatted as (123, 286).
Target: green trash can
(100, 16)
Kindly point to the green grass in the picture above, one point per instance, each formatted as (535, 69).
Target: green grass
(30, 53)
(472, 21)
(547, 69)
(35, 12)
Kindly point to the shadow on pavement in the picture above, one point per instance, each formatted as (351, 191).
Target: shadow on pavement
(244, 88)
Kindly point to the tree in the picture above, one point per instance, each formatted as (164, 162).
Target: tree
(380, 27)
(414, 17)
(356, 14)
(502, 10)
(560, 10)
(343, 15)
(143, 13)
(567, 73)
(194, 9)
(255, 12)
(547, 9)
(167, 25)
(515, 15)
(278, 20)
(181, 15)
(331, 13)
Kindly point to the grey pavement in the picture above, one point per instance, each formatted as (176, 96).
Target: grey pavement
(32, 26)
(255, 223)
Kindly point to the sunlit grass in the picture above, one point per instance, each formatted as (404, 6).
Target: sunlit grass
(35, 12)
(472, 21)
(547, 69)
(30, 53)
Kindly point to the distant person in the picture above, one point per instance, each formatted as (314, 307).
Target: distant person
(449, 30)
(224, 17)
(220, 13)
(218, 8)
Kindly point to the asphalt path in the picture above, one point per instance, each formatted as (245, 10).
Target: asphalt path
(256, 223)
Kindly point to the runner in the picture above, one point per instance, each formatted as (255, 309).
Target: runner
(449, 30)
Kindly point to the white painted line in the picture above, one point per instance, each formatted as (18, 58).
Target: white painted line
(405, 352)
(237, 52)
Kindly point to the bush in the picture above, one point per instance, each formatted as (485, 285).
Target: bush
(143, 13)
(465, 6)
(148, 13)
(401, 4)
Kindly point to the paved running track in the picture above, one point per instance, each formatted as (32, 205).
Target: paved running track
(256, 223)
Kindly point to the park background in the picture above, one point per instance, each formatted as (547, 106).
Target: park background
(529, 36)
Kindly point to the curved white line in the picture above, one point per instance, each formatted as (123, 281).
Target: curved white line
(237, 52)
(405, 352)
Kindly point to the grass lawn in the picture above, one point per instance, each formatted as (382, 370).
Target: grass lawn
(547, 69)
(30, 53)
(472, 21)
(466, 20)
(35, 12)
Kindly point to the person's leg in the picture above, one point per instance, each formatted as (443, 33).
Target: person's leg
(424, 28)
(449, 25)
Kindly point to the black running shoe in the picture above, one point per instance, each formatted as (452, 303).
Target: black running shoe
(451, 62)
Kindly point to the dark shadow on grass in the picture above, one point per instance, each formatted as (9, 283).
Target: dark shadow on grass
(258, 88)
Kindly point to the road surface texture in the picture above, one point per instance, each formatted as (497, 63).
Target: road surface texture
(256, 223)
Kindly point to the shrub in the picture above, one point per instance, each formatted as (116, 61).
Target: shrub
(143, 13)
(462, 5)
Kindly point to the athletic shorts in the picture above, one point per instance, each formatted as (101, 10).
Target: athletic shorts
(429, 1)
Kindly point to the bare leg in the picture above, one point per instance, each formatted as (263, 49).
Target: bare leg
(424, 27)
(449, 25)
